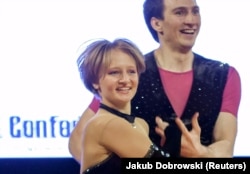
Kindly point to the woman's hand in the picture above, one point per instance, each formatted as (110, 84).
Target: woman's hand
(159, 129)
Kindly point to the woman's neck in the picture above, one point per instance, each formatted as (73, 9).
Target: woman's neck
(129, 117)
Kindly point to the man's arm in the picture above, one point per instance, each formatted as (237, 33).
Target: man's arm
(224, 134)
(75, 139)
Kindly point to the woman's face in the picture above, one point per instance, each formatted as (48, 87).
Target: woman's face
(119, 83)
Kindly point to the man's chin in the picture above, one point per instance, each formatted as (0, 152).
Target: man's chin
(186, 48)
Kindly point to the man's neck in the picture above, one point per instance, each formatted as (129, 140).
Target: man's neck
(174, 60)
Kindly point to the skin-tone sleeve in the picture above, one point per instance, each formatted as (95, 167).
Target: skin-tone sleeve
(121, 138)
(76, 135)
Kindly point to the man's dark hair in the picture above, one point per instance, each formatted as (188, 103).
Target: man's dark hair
(153, 8)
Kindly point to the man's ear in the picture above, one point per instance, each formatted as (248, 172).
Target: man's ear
(156, 24)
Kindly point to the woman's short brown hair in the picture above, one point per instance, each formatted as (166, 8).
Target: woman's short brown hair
(95, 59)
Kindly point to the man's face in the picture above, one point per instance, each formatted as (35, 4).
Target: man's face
(181, 23)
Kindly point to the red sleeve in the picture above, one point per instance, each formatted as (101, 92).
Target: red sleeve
(94, 105)
(232, 93)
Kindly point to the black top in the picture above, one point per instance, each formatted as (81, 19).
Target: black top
(111, 165)
(129, 118)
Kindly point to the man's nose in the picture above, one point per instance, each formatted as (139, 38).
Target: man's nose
(190, 18)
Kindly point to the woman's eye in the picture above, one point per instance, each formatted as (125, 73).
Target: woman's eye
(132, 71)
(113, 72)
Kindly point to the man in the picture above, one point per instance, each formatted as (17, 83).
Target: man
(196, 98)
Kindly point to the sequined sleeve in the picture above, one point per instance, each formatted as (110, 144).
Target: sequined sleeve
(156, 152)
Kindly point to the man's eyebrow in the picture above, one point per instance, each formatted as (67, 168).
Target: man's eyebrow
(181, 8)
(184, 7)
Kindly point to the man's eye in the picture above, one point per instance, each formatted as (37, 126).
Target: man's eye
(196, 11)
(180, 13)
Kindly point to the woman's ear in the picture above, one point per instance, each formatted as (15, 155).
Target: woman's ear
(96, 86)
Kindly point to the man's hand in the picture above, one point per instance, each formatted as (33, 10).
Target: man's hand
(190, 140)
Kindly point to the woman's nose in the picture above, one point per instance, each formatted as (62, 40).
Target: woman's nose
(124, 77)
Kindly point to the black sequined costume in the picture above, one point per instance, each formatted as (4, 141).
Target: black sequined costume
(209, 80)
(111, 165)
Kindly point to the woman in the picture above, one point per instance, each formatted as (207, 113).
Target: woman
(111, 71)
